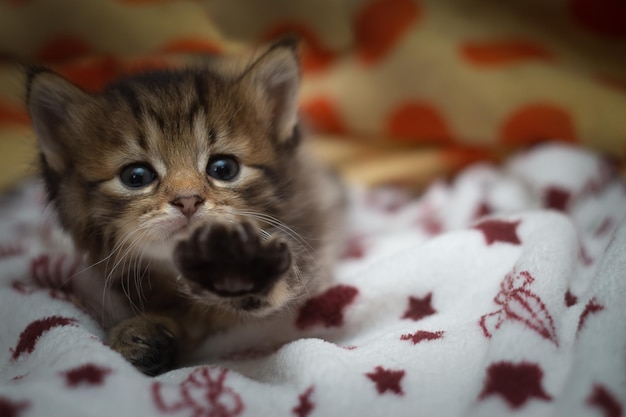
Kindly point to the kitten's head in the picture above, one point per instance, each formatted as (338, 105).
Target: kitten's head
(141, 163)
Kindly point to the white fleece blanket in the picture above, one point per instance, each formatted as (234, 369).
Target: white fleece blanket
(500, 293)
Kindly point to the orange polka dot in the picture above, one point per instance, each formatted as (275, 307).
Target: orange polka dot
(13, 115)
(503, 52)
(91, 74)
(62, 48)
(381, 24)
(617, 84)
(191, 45)
(315, 56)
(457, 157)
(538, 122)
(323, 115)
(602, 17)
(418, 122)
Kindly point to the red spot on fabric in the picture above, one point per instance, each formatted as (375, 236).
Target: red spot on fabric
(556, 198)
(592, 307)
(323, 115)
(418, 122)
(191, 45)
(515, 383)
(11, 114)
(380, 25)
(63, 48)
(419, 308)
(203, 393)
(315, 56)
(604, 228)
(458, 157)
(22, 288)
(91, 74)
(602, 399)
(31, 334)
(499, 231)
(387, 380)
(536, 123)
(422, 335)
(584, 256)
(504, 52)
(602, 17)
(519, 303)
(10, 408)
(54, 271)
(570, 299)
(354, 248)
(483, 209)
(87, 374)
(305, 406)
(618, 84)
(326, 309)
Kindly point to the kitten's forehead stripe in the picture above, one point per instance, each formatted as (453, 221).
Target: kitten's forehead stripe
(202, 93)
(130, 96)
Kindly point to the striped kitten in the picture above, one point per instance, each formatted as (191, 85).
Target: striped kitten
(192, 195)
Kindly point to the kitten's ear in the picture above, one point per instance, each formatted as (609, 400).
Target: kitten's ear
(276, 73)
(53, 105)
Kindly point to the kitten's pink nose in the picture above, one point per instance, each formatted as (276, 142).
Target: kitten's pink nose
(188, 205)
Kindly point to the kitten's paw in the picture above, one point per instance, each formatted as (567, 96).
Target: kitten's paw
(232, 259)
(148, 342)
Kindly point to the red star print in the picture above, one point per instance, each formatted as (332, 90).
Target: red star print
(592, 307)
(605, 401)
(421, 335)
(570, 299)
(556, 198)
(419, 308)
(387, 380)
(305, 406)
(499, 231)
(516, 383)
(327, 308)
(9, 408)
(88, 374)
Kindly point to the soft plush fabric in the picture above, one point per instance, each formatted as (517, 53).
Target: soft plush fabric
(499, 293)
(477, 73)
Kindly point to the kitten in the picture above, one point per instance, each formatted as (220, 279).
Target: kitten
(191, 193)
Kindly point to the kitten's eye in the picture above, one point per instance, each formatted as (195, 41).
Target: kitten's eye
(137, 175)
(224, 168)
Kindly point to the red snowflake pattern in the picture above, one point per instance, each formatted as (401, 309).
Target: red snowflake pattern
(202, 394)
(519, 303)
(592, 307)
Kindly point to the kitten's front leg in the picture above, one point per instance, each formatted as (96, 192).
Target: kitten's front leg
(232, 259)
(148, 341)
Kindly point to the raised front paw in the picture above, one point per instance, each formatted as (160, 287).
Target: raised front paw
(148, 342)
(232, 259)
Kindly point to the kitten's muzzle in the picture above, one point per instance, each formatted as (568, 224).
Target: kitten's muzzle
(188, 205)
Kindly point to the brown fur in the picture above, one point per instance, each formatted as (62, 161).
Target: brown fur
(168, 264)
